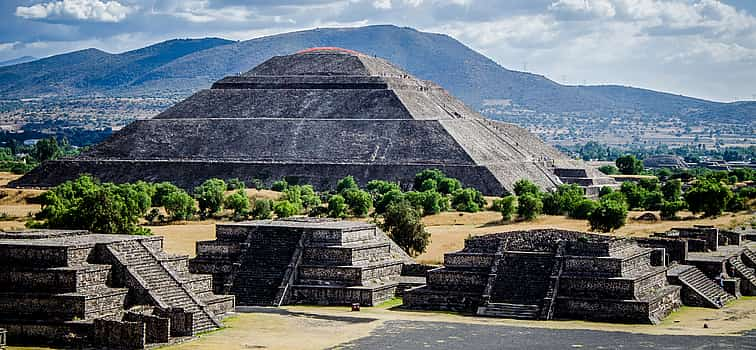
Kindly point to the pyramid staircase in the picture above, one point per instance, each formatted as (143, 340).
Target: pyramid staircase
(749, 257)
(698, 290)
(163, 285)
(505, 310)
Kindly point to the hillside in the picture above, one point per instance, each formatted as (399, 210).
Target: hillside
(17, 60)
(184, 66)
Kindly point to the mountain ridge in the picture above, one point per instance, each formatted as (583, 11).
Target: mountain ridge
(466, 73)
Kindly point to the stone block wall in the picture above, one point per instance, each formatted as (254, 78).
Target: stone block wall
(119, 334)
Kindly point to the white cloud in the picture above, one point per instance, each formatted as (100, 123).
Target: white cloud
(85, 10)
(382, 4)
(582, 9)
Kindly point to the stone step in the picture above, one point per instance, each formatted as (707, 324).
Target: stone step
(746, 274)
(749, 257)
(506, 310)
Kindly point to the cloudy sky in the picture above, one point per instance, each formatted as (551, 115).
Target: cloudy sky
(701, 48)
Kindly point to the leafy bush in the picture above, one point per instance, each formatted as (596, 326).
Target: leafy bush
(653, 200)
(563, 200)
(209, 195)
(239, 203)
(403, 225)
(429, 185)
(381, 187)
(279, 186)
(505, 206)
(605, 190)
(387, 199)
(359, 202)
(608, 169)
(345, 184)
(629, 165)
(179, 205)
(671, 190)
(583, 209)
(524, 186)
(285, 209)
(163, 189)
(529, 206)
(608, 216)
(235, 184)
(448, 185)
(708, 196)
(262, 209)
(468, 200)
(337, 207)
(669, 209)
(432, 174)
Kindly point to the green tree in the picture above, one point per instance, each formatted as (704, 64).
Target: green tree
(46, 149)
(709, 196)
(262, 209)
(672, 190)
(285, 209)
(179, 205)
(653, 200)
(605, 190)
(381, 187)
(523, 186)
(209, 195)
(337, 207)
(448, 185)
(235, 184)
(429, 185)
(387, 199)
(468, 200)
(239, 203)
(529, 206)
(608, 216)
(563, 200)
(629, 165)
(433, 174)
(279, 185)
(85, 203)
(506, 206)
(359, 202)
(608, 169)
(583, 209)
(669, 209)
(403, 225)
(163, 189)
(634, 194)
(347, 183)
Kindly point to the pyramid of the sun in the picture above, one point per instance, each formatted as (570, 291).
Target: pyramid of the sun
(315, 117)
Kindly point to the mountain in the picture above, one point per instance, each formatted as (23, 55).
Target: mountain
(17, 60)
(184, 66)
(92, 71)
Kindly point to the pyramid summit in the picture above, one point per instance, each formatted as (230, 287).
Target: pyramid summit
(314, 117)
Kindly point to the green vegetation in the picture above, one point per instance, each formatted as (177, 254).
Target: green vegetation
(629, 165)
(709, 196)
(609, 215)
(402, 223)
(529, 206)
(209, 196)
(179, 205)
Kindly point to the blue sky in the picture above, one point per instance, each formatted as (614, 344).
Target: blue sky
(700, 48)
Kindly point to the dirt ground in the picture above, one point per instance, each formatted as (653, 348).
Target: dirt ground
(326, 327)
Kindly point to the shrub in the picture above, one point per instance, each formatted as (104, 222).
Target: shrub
(634, 194)
(629, 165)
(239, 203)
(671, 190)
(523, 186)
(605, 190)
(653, 200)
(468, 200)
(433, 174)
(235, 184)
(708, 196)
(381, 187)
(608, 169)
(506, 207)
(387, 199)
(209, 196)
(279, 186)
(669, 209)
(179, 205)
(359, 202)
(345, 184)
(428, 185)
(583, 209)
(403, 225)
(529, 206)
(337, 207)
(608, 216)
(448, 185)
(284, 209)
(163, 189)
(563, 200)
(262, 209)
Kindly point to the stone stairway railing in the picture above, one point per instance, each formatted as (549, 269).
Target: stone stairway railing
(290, 276)
(746, 275)
(705, 290)
(549, 301)
(492, 273)
(162, 285)
(749, 257)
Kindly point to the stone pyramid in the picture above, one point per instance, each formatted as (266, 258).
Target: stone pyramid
(314, 117)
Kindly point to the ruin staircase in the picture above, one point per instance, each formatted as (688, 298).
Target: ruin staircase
(549, 302)
(749, 257)
(695, 281)
(162, 285)
(290, 276)
(504, 310)
(746, 275)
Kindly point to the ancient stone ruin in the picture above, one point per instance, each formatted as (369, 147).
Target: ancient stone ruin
(74, 288)
(547, 274)
(315, 117)
(307, 261)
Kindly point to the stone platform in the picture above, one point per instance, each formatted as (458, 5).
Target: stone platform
(546, 274)
(74, 288)
(301, 261)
